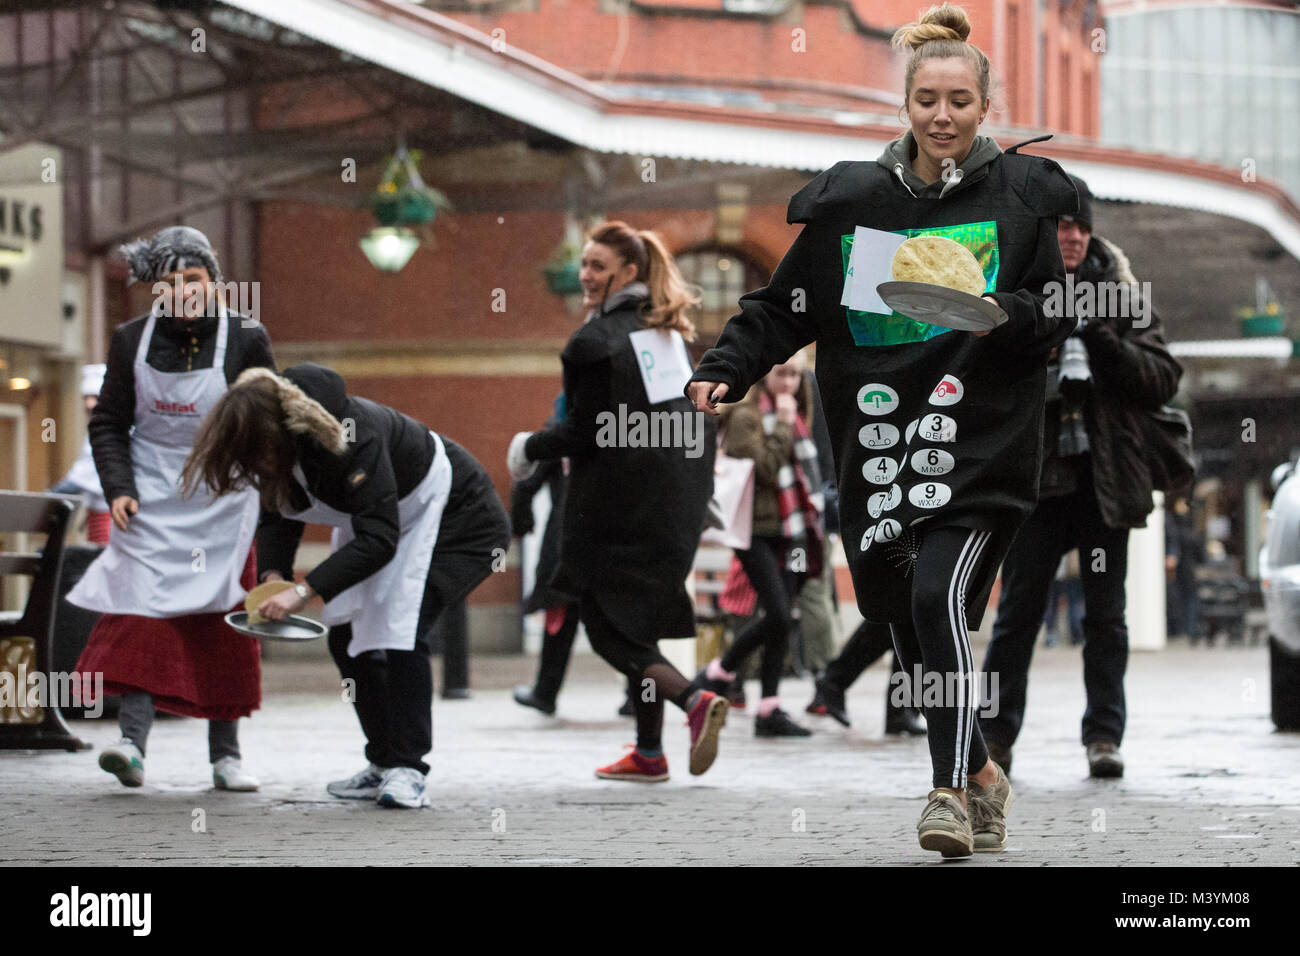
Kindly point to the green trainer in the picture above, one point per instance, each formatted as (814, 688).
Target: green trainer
(124, 761)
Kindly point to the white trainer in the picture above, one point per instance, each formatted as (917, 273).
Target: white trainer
(362, 785)
(229, 774)
(124, 760)
(403, 787)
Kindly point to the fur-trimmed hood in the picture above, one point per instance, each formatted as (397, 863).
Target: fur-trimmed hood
(302, 414)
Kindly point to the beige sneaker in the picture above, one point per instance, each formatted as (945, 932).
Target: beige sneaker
(988, 812)
(945, 826)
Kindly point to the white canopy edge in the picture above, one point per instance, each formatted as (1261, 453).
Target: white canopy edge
(1267, 347)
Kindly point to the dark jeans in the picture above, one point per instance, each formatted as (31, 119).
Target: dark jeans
(864, 647)
(1055, 526)
(776, 586)
(136, 715)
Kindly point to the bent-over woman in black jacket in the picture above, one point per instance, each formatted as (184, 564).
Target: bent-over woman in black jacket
(416, 522)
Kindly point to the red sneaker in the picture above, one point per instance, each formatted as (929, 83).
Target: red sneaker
(705, 720)
(635, 767)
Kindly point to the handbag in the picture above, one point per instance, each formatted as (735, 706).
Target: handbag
(731, 509)
(1167, 435)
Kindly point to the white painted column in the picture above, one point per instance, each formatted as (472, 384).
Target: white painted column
(1145, 583)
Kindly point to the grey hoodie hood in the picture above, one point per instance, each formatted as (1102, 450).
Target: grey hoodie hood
(897, 158)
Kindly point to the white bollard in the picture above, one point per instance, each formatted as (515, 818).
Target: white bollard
(1144, 586)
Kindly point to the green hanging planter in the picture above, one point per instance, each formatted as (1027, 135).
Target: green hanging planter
(1254, 326)
(402, 198)
(562, 278)
(408, 206)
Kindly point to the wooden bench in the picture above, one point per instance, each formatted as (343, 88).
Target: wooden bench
(28, 637)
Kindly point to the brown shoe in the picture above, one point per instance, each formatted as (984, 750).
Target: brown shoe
(1104, 759)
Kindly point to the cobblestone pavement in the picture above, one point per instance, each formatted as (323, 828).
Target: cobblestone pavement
(1209, 782)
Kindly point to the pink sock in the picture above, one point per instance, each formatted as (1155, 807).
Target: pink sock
(767, 705)
(714, 671)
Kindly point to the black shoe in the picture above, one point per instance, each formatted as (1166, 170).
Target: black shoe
(628, 709)
(779, 724)
(718, 687)
(904, 721)
(457, 693)
(524, 695)
(1000, 755)
(1104, 760)
(736, 694)
(829, 700)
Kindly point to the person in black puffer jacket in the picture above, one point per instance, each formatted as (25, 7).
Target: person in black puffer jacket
(1095, 486)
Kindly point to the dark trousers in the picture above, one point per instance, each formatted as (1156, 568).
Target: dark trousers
(776, 586)
(557, 647)
(936, 641)
(1055, 526)
(864, 647)
(451, 639)
(554, 660)
(392, 692)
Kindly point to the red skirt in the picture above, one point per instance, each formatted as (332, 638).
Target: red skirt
(194, 665)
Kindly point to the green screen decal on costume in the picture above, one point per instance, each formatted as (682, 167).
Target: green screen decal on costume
(875, 328)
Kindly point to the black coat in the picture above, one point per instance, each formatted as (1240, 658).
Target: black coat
(1133, 373)
(997, 436)
(632, 515)
(178, 345)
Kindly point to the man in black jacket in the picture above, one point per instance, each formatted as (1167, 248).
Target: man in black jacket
(1095, 486)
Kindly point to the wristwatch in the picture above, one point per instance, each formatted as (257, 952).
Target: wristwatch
(301, 591)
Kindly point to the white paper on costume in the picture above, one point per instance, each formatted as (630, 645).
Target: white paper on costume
(665, 366)
(870, 263)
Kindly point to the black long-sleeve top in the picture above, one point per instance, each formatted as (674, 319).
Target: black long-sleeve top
(178, 345)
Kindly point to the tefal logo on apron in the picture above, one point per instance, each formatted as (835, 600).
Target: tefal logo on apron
(174, 408)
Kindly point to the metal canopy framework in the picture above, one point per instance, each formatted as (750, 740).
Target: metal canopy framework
(188, 110)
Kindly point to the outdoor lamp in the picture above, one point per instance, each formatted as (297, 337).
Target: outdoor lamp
(389, 248)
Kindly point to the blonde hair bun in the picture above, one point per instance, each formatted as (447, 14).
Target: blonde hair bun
(946, 22)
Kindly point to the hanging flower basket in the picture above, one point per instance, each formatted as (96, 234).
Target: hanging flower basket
(562, 271)
(402, 198)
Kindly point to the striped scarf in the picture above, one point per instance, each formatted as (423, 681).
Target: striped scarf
(795, 482)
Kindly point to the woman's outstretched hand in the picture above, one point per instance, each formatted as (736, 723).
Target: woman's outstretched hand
(122, 508)
(706, 395)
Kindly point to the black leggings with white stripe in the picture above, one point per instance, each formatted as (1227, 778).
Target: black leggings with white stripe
(936, 638)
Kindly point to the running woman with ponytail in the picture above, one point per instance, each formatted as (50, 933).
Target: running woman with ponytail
(632, 515)
(937, 432)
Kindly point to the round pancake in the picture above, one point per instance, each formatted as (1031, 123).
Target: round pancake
(938, 261)
(254, 598)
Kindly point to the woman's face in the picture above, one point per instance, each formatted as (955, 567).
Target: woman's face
(945, 111)
(186, 294)
(784, 379)
(602, 273)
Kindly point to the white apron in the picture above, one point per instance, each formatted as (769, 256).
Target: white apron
(384, 609)
(177, 556)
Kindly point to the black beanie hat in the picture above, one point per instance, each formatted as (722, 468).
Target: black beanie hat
(1084, 216)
